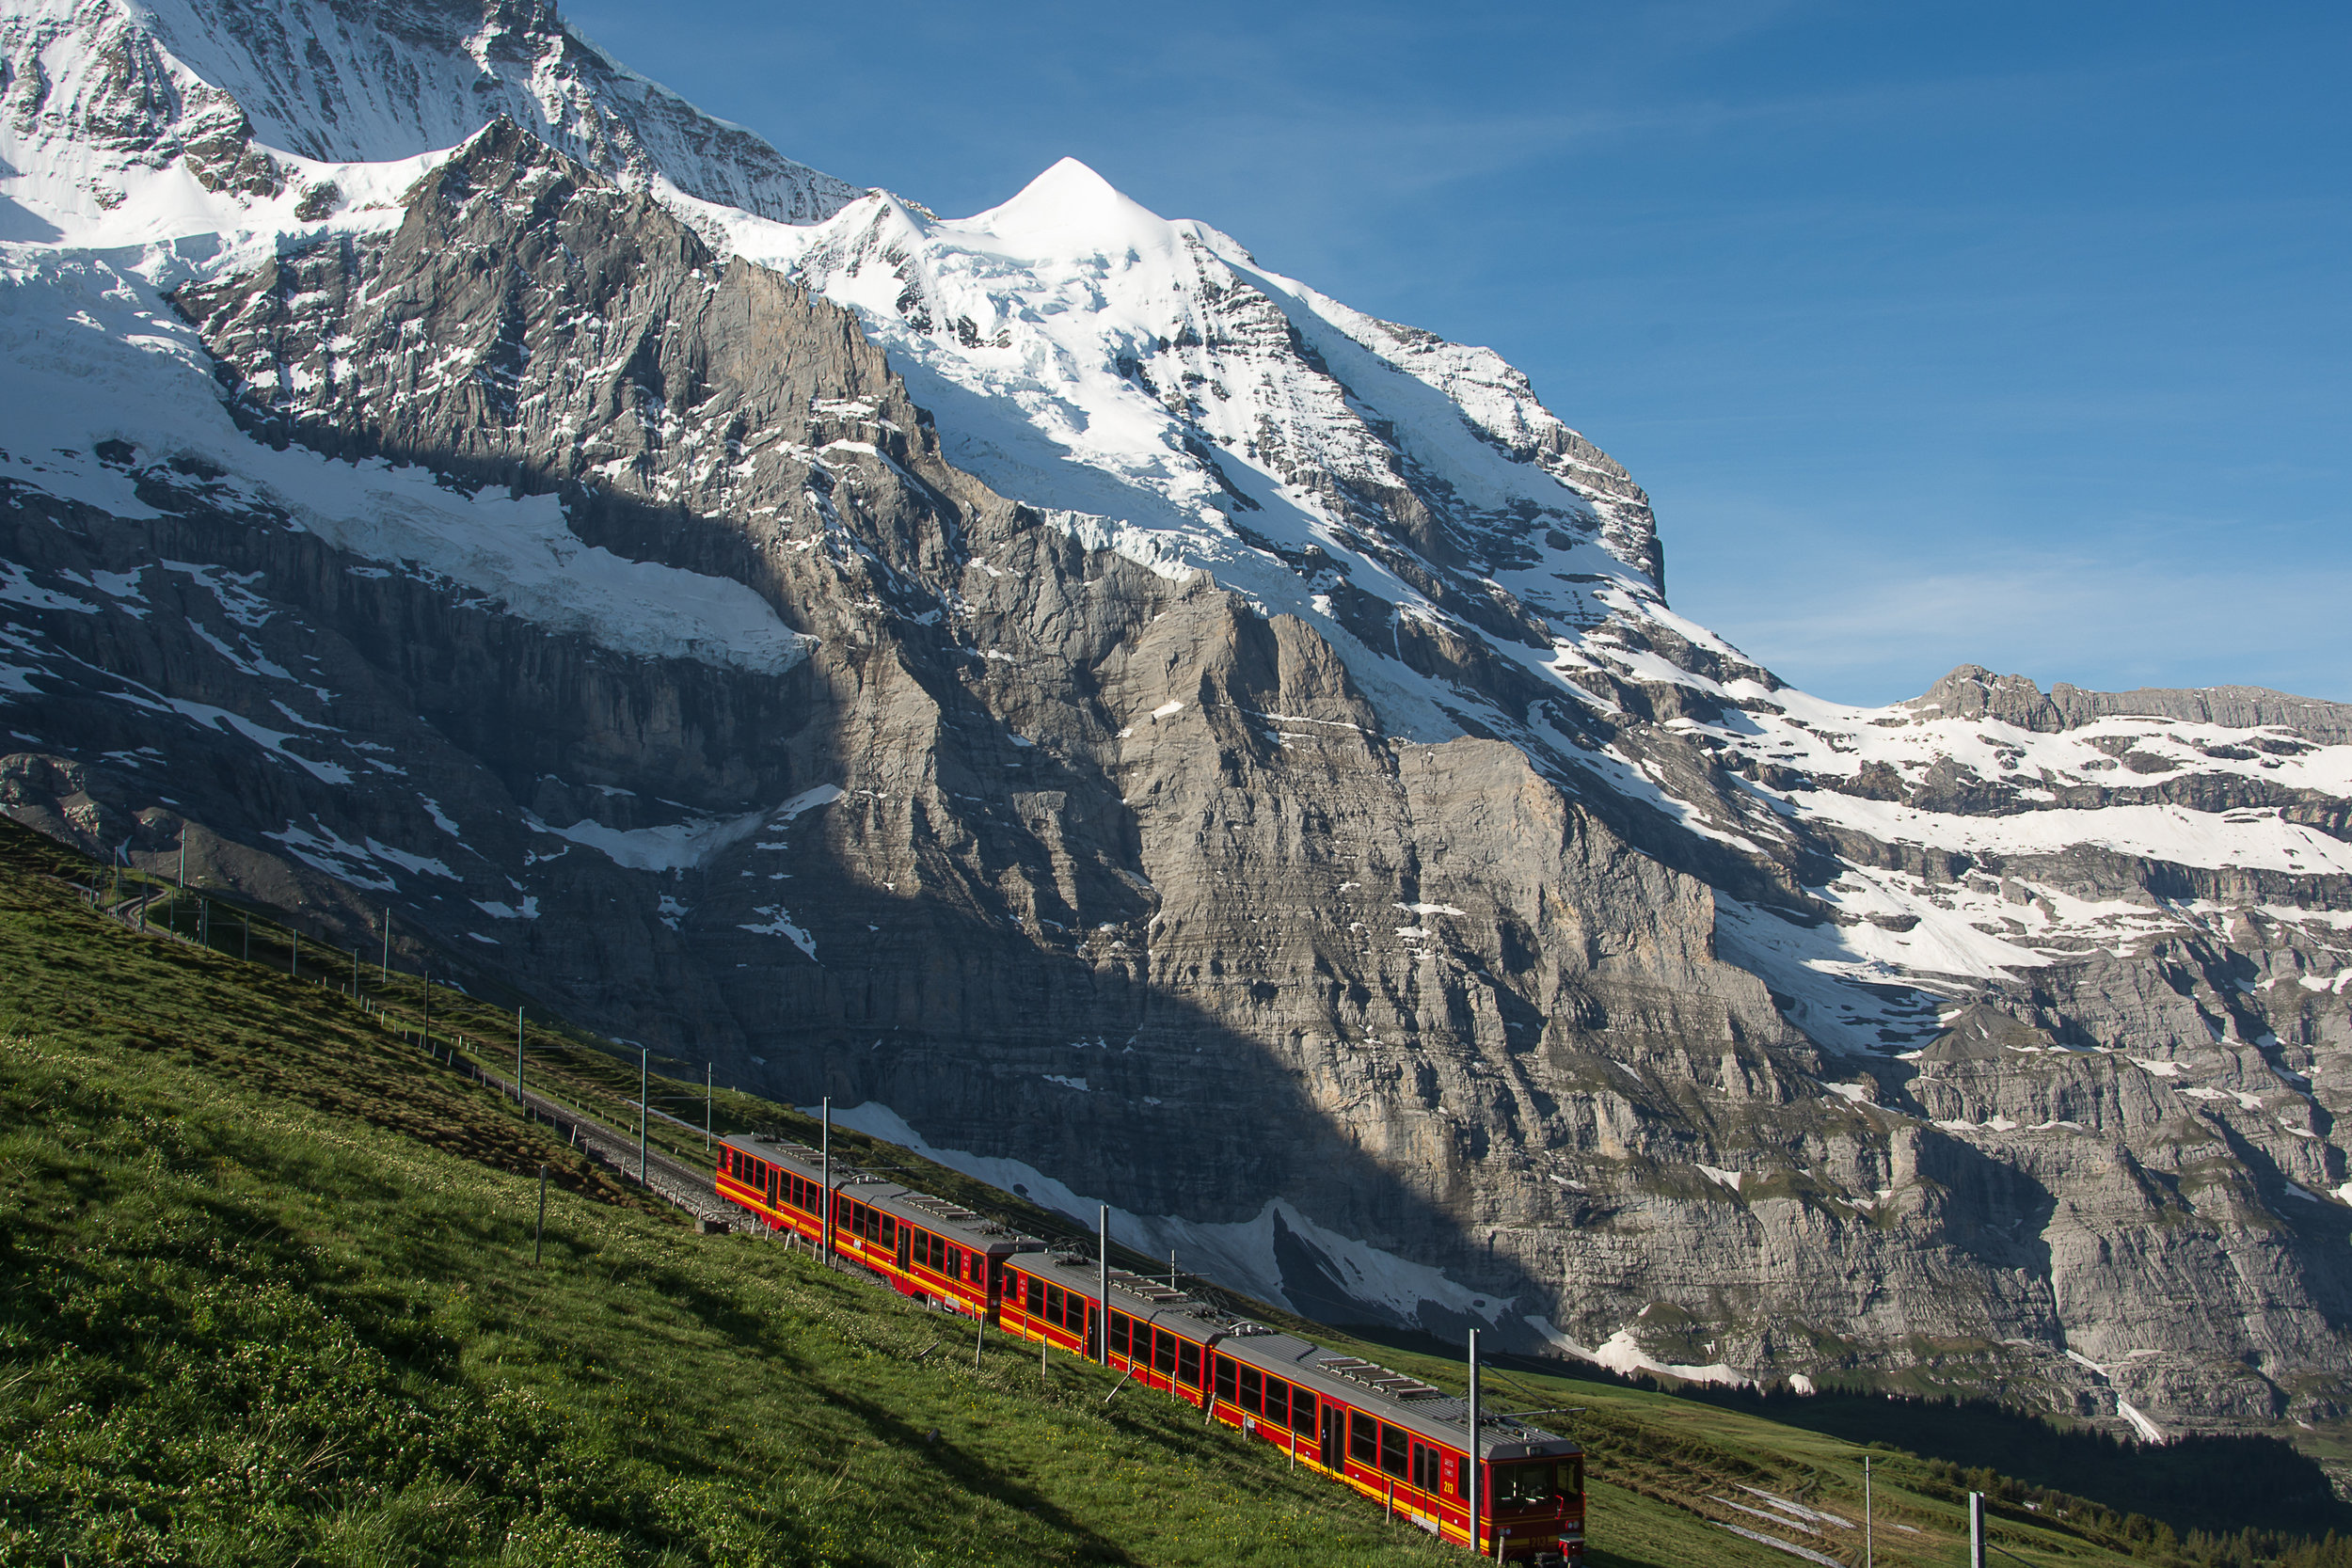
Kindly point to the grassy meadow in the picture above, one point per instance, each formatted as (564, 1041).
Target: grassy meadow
(270, 1298)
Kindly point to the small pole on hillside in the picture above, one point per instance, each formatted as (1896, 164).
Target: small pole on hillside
(1103, 1285)
(184, 861)
(642, 1056)
(706, 1107)
(1975, 1530)
(1470, 1483)
(1869, 1547)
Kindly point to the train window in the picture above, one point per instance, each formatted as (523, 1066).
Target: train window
(1188, 1363)
(1363, 1438)
(1302, 1411)
(1278, 1403)
(1392, 1443)
(1080, 1310)
(1424, 1466)
(889, 1231)
(1530, 1484)
(1226, 1387)
(1460, 1470)
(1122, 1330)
(1164, 1351)
(1037, 1295)
(1053, 1303)
(1253, 1386)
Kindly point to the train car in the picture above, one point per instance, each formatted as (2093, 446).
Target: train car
(1405, 1444)
(925, 1246)
(1390, 1437)
(1159, 1336)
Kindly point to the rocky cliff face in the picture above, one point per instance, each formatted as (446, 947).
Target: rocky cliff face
(1156, 736)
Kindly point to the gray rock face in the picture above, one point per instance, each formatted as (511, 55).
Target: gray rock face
(1653, 1009)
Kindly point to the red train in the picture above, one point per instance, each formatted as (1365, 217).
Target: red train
(1394, 1438)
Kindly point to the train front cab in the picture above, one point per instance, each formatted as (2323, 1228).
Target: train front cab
(1531, 1494)
(1538, 1505)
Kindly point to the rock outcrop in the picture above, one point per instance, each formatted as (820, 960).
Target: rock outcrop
(1303, 826)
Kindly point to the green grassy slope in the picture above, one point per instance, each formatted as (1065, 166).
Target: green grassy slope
(269, 1297)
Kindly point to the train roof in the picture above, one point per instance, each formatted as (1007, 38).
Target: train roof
(1405, 1401)
(937, 1214)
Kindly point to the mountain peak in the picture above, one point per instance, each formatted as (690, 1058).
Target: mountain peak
(1071, 207)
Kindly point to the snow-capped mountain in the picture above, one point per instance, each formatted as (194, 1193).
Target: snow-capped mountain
(1142, 728)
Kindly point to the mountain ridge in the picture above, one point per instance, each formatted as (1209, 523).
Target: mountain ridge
(1125, 721)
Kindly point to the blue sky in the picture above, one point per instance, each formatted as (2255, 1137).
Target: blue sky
(2008, 334)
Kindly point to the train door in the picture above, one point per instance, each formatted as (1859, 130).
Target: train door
(906, 1237)
(1334, 1437)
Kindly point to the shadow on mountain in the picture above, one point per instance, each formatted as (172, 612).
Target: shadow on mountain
(2220, 1484)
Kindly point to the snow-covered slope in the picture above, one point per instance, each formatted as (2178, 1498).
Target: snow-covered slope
(1604, 966)
(99, 97)
(1161, 392)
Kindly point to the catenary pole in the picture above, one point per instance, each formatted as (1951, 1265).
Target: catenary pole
(1103, 1286)
(1975, 1530)
(1869, 1549)
(643, 1055)
(1469, 1484)
(824, 1157)
(706, 1107)
(518, 1055)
